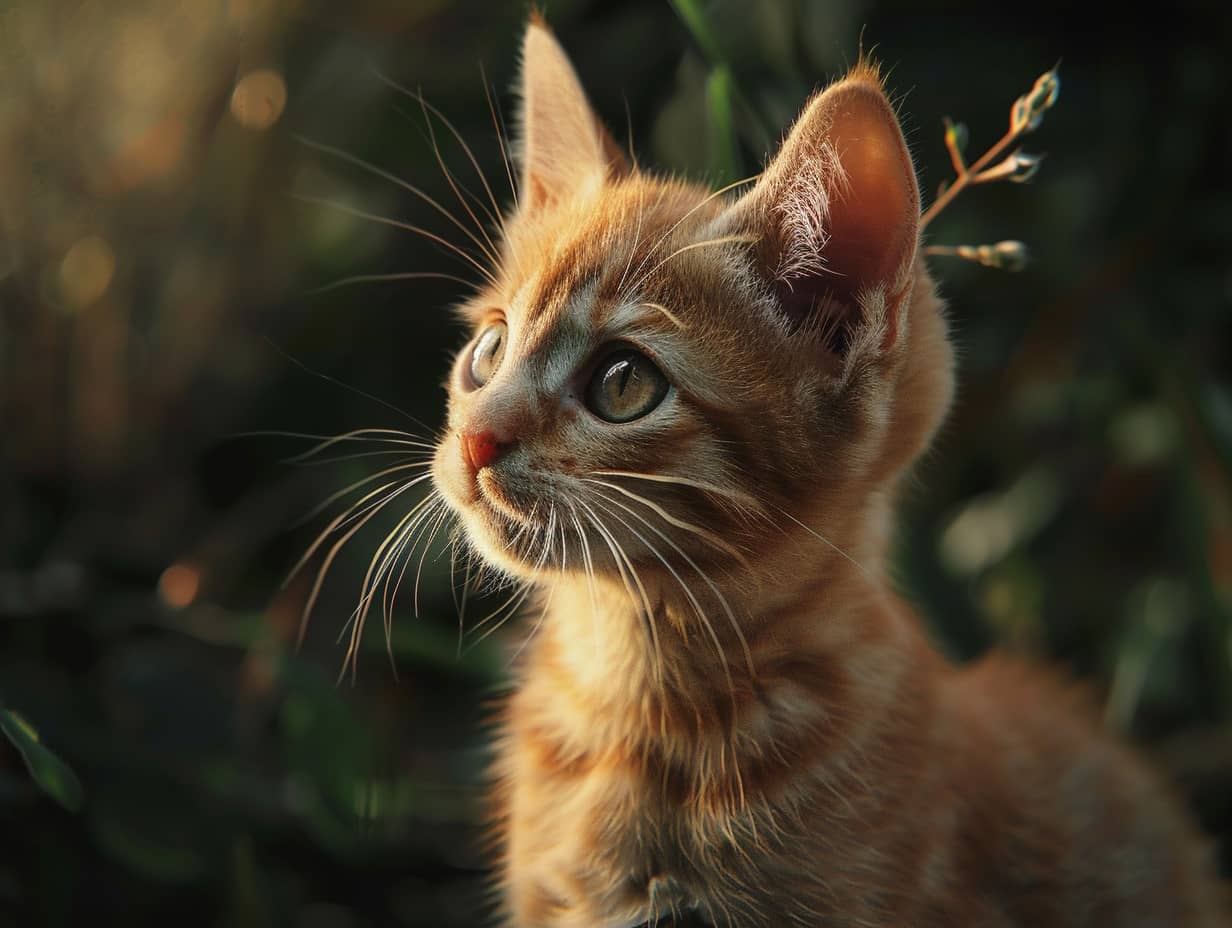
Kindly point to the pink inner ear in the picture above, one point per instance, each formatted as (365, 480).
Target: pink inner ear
(873, 215)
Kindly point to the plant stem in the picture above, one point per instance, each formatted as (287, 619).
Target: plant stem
(966, 177)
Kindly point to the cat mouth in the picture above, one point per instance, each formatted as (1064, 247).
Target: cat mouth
(489, 494)
(503, 511)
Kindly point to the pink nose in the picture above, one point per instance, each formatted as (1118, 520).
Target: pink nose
(482, 449)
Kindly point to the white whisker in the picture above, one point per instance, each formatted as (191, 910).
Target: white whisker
(640, 278)
(355, 279)
(333, 552)
(404, 226)
(718, 594)
(707, 536)
(692, 246)
(624, 562)
(488, 251)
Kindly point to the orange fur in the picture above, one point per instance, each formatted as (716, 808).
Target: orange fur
(722, 708)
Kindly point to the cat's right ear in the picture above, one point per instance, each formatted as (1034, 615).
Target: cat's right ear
(835, 215)
(563, 146)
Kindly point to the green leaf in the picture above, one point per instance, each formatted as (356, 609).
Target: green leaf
(690, 12)
(724, 155)
(723, 89)
(48, 771)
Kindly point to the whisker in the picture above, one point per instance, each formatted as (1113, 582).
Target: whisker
(547, 605)
(346, 386)
(521, 590)
(459, 603)
(438, 504)
(746, 500)
(676, 225)
(404, 185)
(671, 317)
(377, 568)
(718, 594)
(385, 278)
(458, 188)
(704, 534)
(623, 560)
(495, 214)
(510, 609)
(345, 516)
(333, 553)
(637, 238)
(659, 668)
(497, 124)
(436, 527)
(420, 458)
(328, 441)
(527, 586)
(404, 226)
(822, 538)
(339, 494)
(722, 240)
(588, 565)
(688, 592)
(629, 134)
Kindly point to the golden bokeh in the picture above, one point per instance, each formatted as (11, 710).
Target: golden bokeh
(259, 99)
(85, 272)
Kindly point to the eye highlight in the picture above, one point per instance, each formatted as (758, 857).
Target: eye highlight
(487, 353)
(626, 386)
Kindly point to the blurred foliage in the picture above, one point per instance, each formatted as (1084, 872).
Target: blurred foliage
(157, 273)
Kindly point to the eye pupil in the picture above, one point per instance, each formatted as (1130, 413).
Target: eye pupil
(626, 386)
(626, 371)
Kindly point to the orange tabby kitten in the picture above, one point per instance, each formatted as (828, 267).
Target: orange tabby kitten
(684, 417)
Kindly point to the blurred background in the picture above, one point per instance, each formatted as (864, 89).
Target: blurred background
(180, 180)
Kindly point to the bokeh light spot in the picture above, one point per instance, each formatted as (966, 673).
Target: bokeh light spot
(179, 584)
(86, 271)
(258, 99)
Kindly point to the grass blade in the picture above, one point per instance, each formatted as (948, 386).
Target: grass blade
(53, 775)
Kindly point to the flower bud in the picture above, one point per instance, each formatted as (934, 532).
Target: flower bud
(1028, 110)
(1018, 167)
(956, 136)
(1008, 255)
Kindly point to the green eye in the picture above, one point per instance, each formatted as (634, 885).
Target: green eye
(487, 353)
(626, 385)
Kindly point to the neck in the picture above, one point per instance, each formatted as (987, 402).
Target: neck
(623, 663)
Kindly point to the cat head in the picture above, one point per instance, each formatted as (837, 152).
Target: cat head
(661, 375)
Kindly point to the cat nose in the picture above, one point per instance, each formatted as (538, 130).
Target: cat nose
(482, 448)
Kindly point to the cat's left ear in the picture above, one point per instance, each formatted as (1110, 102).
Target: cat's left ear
(563, 146)
(836, 215)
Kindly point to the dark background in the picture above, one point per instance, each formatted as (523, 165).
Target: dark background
(155, 304)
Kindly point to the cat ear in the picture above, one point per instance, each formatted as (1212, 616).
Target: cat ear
(836, 213)
(564, 147)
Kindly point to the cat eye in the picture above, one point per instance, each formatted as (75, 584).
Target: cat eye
(487, 353)
(625, 386)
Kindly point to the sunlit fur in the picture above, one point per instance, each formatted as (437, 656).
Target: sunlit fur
(722, 706)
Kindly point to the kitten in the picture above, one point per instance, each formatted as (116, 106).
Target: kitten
(684, 417)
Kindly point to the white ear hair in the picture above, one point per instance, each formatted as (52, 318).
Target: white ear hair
(803, 210)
